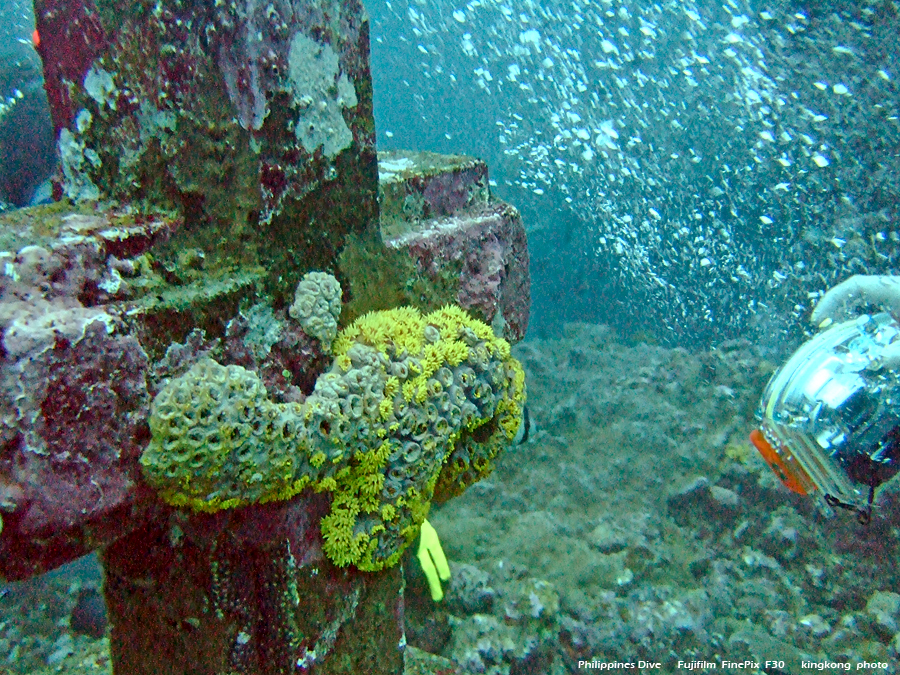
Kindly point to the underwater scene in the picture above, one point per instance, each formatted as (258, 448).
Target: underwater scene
(503, 337)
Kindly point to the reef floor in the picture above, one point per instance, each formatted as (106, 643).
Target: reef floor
(637, 524)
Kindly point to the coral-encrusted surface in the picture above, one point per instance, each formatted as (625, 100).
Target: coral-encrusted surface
(98, 309)
(73, 429)
(86, 273)
(73, 395)
(418, 186)
(448, 242)
(487, 244)
(254, 118)
(246, 581)
(414, 407)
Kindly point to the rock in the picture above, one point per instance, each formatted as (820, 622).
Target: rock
(418, 662)
(469, 591)
(724, 497)
(690, 493)
(607, 539)
(816, 625)
(883, 609)
(89, 614)
(537, 600)
(63, 647)
(781, 538)
(700, 500)
(479, 642)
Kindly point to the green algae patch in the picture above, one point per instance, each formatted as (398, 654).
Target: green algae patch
(380, 277)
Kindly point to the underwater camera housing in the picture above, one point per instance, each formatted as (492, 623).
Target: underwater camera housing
(830, 416)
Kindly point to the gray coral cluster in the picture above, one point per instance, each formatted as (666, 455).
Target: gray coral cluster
(384, 430)
(317, 306)
(219, 442)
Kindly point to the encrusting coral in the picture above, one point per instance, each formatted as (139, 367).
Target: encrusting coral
(414, 409)
(317, 306)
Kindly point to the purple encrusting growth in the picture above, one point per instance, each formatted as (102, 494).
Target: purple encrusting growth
(233, 112)
(73, 395)
(490, 243)
(439, 209)
(93, 401)
(289, 365)
(246, 130)
(71, 36)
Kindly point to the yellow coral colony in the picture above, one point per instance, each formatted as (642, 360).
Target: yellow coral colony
(415, 408)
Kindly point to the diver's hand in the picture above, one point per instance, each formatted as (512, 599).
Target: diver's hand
(839, 302)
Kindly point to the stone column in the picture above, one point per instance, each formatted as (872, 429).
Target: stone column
(212, 153)
(247, 591)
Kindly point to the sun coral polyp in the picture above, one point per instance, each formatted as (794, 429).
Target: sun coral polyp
(414, 408)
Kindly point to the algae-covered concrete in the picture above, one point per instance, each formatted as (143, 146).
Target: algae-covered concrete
(251, 120)
(447, 241)
(211, 154)
(248, 591)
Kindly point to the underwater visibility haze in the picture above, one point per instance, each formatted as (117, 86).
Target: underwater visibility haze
(694, 170)
(692, 177)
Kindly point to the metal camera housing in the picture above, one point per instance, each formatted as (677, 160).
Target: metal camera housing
(830, 416)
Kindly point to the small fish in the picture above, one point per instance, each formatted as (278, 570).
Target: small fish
(526, 428)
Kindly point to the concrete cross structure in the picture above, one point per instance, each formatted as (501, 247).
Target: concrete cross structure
(211, 154)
